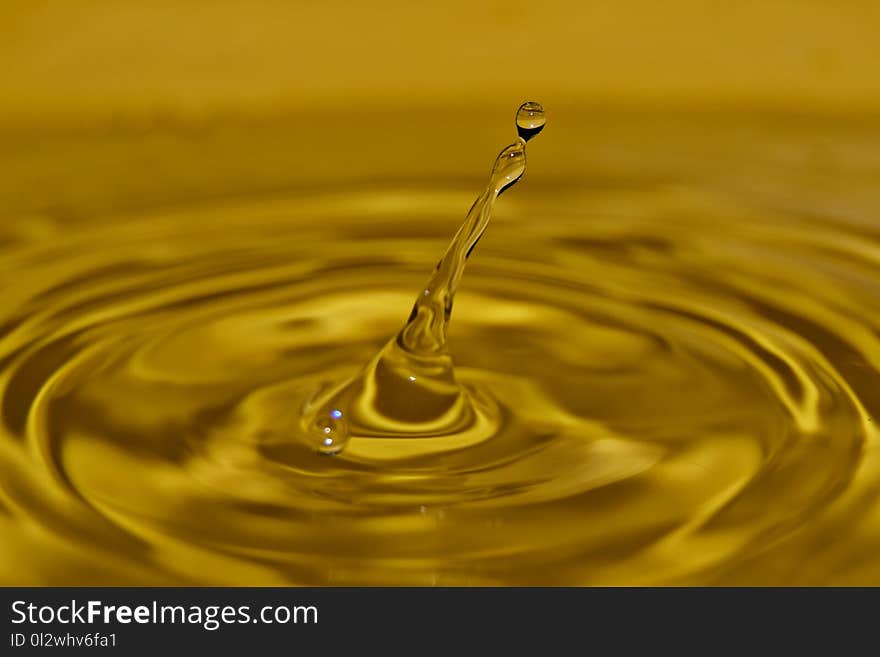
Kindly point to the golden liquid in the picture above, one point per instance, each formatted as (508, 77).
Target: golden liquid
(670, 327)
(409, 390)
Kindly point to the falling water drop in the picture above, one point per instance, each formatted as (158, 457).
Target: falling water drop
(409, 389)
(530, 120)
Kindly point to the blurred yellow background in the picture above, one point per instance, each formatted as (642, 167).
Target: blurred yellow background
(99, 57)
(178, 100)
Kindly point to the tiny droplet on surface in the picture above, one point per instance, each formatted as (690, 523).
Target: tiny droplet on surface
(332, 431)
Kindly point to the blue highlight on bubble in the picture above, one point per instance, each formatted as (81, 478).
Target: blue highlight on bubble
(336, 414)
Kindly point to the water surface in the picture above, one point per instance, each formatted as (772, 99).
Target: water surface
(670, 331)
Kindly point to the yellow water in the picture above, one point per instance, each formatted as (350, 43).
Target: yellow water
(409, 389)
(669, 333)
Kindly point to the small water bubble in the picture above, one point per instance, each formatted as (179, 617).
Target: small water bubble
(530, 120)
(330, 431)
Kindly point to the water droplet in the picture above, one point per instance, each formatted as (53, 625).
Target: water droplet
(331, 431)
(421, 345)
(530, 120)
(509, 167)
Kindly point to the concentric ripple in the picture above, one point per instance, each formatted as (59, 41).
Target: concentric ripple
(669, 387)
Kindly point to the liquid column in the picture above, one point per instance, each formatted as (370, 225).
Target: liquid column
(409, 389)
